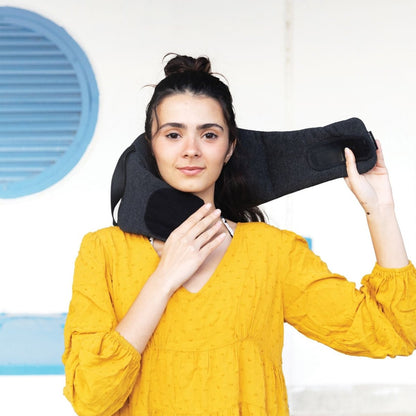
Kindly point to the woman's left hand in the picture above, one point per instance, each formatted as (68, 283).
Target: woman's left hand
(372, 189)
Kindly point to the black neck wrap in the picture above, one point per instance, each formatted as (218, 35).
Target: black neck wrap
(276, 164)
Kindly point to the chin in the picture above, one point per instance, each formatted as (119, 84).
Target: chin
(206, 194)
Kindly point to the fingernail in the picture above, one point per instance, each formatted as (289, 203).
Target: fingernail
(217, 211)
(208, 205)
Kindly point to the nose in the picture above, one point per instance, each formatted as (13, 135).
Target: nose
(191, 147)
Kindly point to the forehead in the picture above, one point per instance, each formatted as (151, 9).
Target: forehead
(190, 108)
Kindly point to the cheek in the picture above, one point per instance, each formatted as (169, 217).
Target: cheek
(162, 165)
(160, 153)
(220, 155)
(159, 158)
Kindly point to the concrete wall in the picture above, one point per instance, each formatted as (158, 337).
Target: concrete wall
(290, 64)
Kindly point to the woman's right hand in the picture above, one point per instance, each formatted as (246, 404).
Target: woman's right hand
(188, 246)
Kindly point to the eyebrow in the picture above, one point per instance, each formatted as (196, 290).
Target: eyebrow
(183, 126)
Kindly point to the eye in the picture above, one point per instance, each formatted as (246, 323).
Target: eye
(210, 135)
(173, 136)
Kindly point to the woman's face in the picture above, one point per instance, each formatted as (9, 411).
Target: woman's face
(190, 143)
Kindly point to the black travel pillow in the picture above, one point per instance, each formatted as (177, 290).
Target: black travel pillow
(275, 164)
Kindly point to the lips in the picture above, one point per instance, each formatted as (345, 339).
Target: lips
(191, 170)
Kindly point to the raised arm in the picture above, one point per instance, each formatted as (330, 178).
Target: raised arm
(374, 193)
(379, 319)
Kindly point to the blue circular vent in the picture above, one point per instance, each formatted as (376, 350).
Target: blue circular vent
(48, 102)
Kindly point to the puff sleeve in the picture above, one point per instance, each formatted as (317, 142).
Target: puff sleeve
(101, 366)
(378, 320)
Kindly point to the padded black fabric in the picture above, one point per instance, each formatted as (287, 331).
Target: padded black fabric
(279, 163)
(149, 206)
(275, 164)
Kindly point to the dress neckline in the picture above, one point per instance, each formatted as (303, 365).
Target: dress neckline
(185, 293)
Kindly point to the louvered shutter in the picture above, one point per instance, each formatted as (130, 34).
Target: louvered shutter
(48, 102)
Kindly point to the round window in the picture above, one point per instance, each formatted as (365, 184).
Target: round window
(48, 102)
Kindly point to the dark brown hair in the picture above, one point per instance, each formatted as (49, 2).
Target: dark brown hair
(193, 75)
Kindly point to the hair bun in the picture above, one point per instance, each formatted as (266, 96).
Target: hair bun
(183, 63)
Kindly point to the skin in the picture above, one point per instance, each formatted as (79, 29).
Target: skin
(190, 143)
(193, 250)
(374, 193)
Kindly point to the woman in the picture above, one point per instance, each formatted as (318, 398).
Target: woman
(194, 325)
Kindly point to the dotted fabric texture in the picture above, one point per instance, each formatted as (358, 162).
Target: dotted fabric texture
(218, 352)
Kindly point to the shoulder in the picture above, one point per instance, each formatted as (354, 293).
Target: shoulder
(112, 233)
(262, 233)
(111, 238)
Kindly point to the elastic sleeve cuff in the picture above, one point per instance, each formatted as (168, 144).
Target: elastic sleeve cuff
(125, 345)
(381, 275)
(392, 272)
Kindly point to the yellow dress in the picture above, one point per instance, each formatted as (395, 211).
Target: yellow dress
(218, 352)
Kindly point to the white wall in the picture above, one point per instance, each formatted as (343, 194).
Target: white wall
(290, 64)
(353, 58)
(125, 42)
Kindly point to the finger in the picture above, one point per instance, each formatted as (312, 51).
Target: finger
(350, 163)
(208, 248)
(380, 156)
(197, 223)
(351, 166)
(204, 224)
(206, 236)
(194, 219)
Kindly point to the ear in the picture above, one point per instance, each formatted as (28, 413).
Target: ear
(230, 151)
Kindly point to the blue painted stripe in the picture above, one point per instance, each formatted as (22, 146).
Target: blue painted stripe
(31, 344)
(32, 370)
